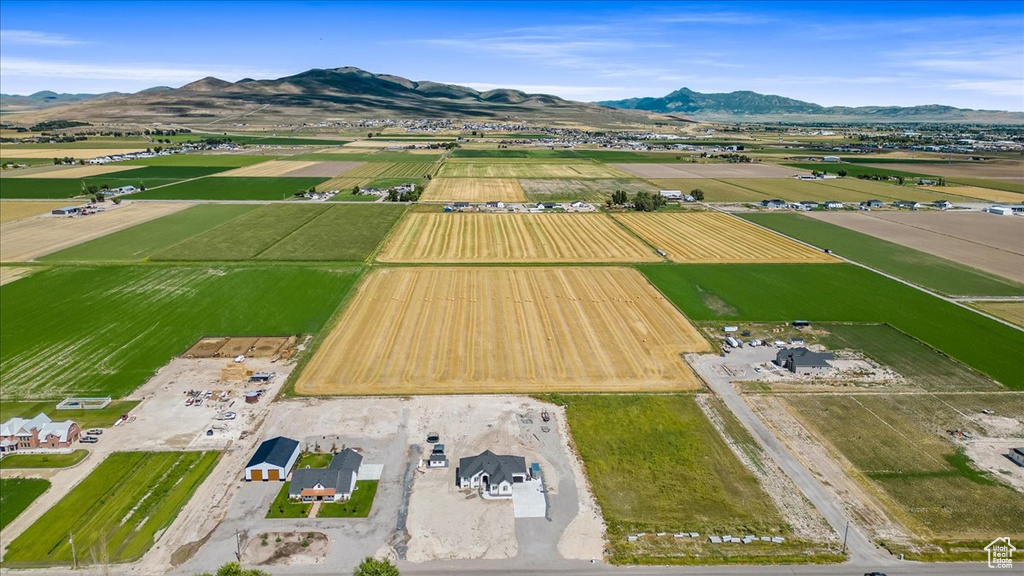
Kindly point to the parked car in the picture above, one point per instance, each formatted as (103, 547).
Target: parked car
(89, 439)
(95, 431)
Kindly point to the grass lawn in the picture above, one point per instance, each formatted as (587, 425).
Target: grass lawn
(841, 293)
(16, 494)
(932, 272)
(282, 507)
(101, 418)
(208, 160)
(142, 241)
(357, 507)
(229, 188)
(897, 443)
(657, 464)
(16, 461)
(913, 360)
(115, 512)
(142, 317)
(314, 460)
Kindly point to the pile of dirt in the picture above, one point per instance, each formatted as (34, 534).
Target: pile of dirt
(285, 548)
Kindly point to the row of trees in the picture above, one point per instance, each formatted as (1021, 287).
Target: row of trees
(645, 201)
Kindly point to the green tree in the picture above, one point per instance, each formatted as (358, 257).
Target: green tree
(697, 194)
(235, 569)
(841, 173)
(355, 190)
(372, 567)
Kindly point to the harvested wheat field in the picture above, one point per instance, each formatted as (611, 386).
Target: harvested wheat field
(473, 190)
(527, 169)
(272, 169)
(73, 171)
(983, 193)
(1009, 311)
(1012, 170)
(27, 239)
(482, 330)
(985, 241)
(10, 211)
(497, 238)
(9, 274)
(713, 237)
(76, 153)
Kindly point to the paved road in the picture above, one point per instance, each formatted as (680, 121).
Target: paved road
(861, 549)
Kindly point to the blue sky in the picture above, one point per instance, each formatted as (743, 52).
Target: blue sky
(967, 54)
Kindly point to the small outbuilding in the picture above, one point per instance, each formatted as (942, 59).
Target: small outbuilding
(833, 205)
(1000, 210)
(1017, 455)
(872, 204)
(273, 460)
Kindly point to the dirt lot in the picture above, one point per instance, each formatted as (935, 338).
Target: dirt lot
(992, 170)
(34, 237)
(265, 347)
(470, 330)
(984, 241)
(474, 190)
(500, 238)
(284, 548)
(11, 210)
(708, 170)
(72, 171)
(717, 238)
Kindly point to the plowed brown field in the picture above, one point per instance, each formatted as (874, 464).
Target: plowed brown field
(481, 330)
(453, 238)
(474, 190)
(715, 237)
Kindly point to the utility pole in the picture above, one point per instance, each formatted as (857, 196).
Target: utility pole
(74, 555)
(238, 547)
(846, 535)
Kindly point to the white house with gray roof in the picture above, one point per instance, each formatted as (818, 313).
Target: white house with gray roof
(491, 473)
(332, 484)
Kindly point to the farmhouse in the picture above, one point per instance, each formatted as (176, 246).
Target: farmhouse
(39, 433)
(803, 361)
(872, 204)
(67, 211)
(1017, 455)
(833, 205)
(942, 204)
(671, 194)
(272, 460)
(773, 203)
(333, 484)
(492, 474)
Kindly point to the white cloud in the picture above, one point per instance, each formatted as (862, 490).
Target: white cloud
(36, 38)
(141, 72)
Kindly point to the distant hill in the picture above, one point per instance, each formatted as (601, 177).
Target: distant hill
(751, 106)
(320, 94)
(10, 103)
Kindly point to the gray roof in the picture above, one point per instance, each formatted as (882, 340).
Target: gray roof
(794, 358)
(337, 475)
(498, 468)
(276, 451)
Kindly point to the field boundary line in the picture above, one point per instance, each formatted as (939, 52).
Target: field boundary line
(166, 248)
(890, 276)
(294, 230)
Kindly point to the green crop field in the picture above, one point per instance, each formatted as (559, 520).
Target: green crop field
(115, 512)
(338, 233)
(356, 507)
(131, 320)
(40, 188)
(656, 464)
(359, 156)
(289, 232)
(43, 460)
(512, 153)
(1008, 185)
(841, 293)
(146, 239)
(390, 170)
(720, 190)
(101, 418)
(545, 170)
(16, 494)
(284, 507)
(268, 140)
(585, 190)
(625, 157)
(923, 269)
(921, 365)
(877, 189)
(898, 444)
(203, 160)
(854, 170)
(229, 188)
(147, 173)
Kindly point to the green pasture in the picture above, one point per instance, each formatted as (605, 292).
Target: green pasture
(841, 293)
(16, 494)
(128, 321)
(932, 272)
(203, 160)
(231, 188)
(42, 460)
(115, 512)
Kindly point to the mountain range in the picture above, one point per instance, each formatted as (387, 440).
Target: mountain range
(746, 105)
(323, 94)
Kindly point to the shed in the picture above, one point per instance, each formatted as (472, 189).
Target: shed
(273, 460)
(1017, 455)
(67, 211)
(1000, 210)
(831, 159)
(252, 397)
